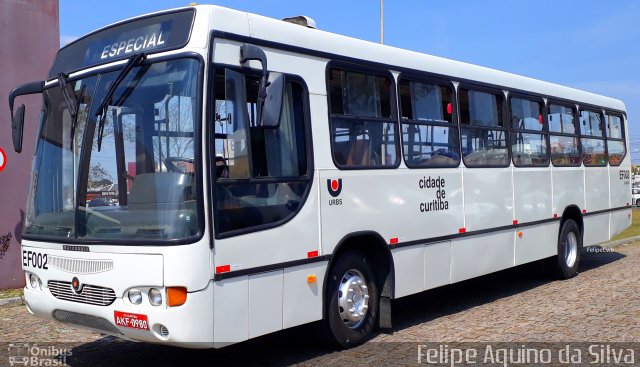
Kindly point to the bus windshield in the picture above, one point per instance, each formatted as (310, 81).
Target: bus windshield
(125, 172)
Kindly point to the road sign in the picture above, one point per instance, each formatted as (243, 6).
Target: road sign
(3, 159)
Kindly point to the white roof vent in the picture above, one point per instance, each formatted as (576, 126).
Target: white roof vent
(302, 20)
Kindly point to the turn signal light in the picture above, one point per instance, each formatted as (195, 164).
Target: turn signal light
(311, 278)
(176, 296)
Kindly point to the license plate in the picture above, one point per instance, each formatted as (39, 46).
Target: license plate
(131, 320)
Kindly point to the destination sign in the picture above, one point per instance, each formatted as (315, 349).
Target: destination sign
(151, 34)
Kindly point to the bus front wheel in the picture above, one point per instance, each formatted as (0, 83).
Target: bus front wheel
(353, 299)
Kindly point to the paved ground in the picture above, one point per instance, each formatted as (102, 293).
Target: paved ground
(601, 305)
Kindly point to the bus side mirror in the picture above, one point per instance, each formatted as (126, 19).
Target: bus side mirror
(17, 119)
(270, 90)
(272, 109)
(17, 128)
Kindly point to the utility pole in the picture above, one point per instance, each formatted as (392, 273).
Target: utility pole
(382, 22)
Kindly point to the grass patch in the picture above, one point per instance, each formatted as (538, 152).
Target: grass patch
(634, 229)
(10, 293)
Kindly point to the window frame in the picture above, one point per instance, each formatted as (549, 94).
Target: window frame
(211, 168)
(623, 139)
(576, 119)
(545, 126)
(455, 123)
(599, 111)
(393, 118)
(492, 90)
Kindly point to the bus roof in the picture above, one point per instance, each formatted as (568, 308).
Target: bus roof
(269, 29)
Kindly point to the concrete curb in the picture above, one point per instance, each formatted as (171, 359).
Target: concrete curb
(620, 242)
(13, 301)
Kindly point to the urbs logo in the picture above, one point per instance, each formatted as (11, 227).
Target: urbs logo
(335, 187)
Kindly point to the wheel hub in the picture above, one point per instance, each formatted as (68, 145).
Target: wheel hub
(353, 298)
(571, 249)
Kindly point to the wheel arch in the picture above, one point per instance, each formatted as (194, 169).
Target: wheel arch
(372, 244)
(572, 212)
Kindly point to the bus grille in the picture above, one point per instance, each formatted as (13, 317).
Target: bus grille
(91, 294)
(80, 266)
(89, 321)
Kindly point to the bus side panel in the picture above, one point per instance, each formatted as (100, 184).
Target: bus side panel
(488, 198)
(537, 242)
(437, 257)
(482, 254)
(397, 204)
(568, 188)
(230, 311)
(265, 303)
(620, 186)
(409, 264)
(596, 229)
(302, 300)
(532, 189)
(596, 188)
(620, 220)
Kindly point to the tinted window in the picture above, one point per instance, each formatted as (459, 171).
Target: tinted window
(561, 119)
(528, 148)
(615, 144)
(248, 154)
(483, 136)
(614, 127)
(426, 102)
(565, 150)
(481, 147)
(591, 123)
(594, 152)
(359, 94)
(480, 108)
(429, 137)
(363, 130)
(526, 114)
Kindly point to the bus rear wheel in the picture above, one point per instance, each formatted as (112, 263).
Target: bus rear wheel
(565, 264)
(353, 300)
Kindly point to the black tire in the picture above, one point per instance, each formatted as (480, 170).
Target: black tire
(346, 335)
(565, 264)
(638, 202)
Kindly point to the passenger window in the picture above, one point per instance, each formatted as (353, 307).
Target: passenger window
(591, 123)
(594, 151)
(561, 119)
(262, 173)
(363, 127)
(483, 135)
(528, 138)
(430, 139)
(615, 139)
(564, 141)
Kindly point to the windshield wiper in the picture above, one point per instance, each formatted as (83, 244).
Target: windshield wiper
(62, 82)
(134, 60)
(72, 106)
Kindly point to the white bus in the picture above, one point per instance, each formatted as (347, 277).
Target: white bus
(204, 176)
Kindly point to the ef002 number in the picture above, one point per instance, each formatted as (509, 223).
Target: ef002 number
(34, 259)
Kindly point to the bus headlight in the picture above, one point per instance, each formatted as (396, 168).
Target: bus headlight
(35, 281)
(155, 297)
(135, 296)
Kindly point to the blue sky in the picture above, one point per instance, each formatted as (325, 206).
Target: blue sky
(590, 45)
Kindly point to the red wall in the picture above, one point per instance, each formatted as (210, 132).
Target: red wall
(29, 39)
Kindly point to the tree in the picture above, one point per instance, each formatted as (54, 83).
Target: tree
(99, 177)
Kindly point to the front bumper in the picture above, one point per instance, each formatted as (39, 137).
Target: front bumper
(189, 325)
